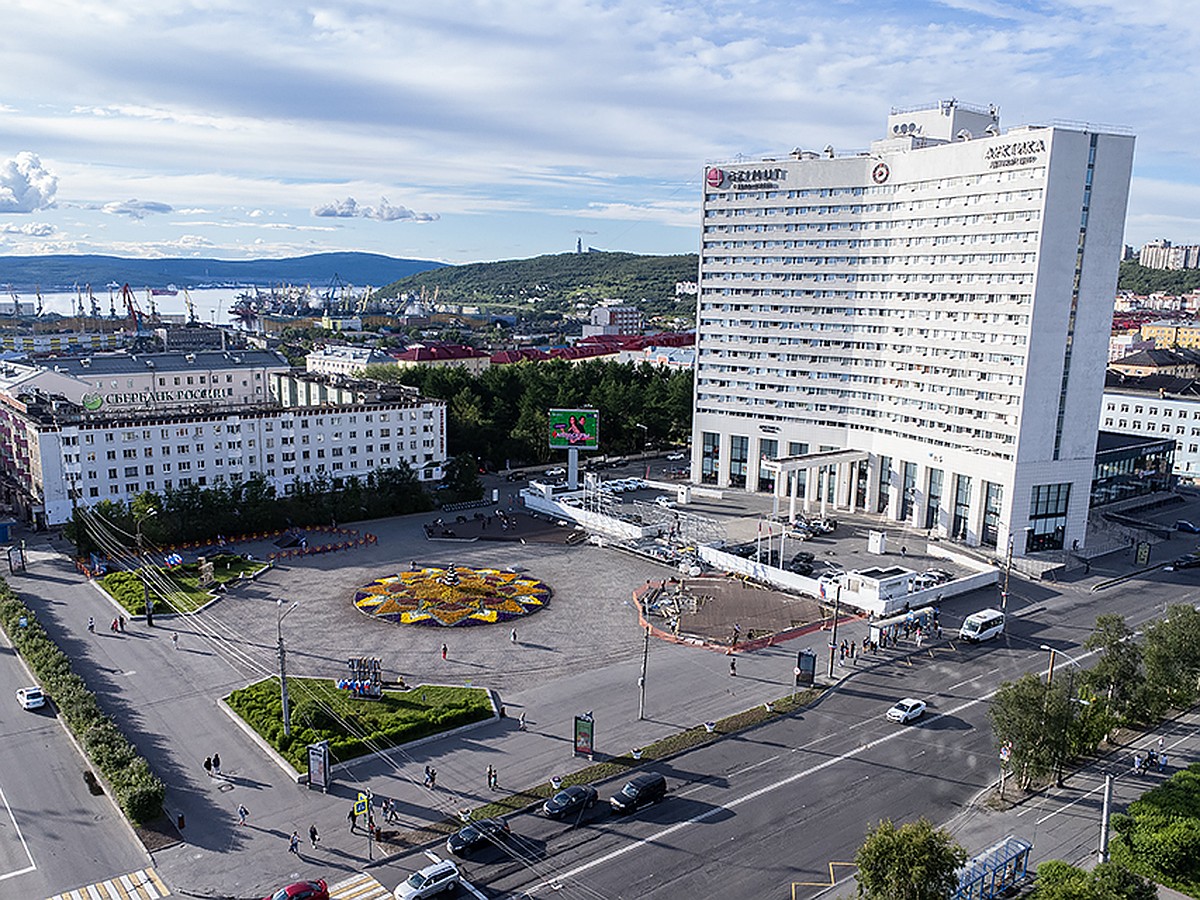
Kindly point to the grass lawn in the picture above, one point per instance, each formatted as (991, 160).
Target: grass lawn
(186, 594)
(321, 712)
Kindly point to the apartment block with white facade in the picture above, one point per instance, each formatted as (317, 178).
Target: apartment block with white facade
(64, 442)
(919, 330)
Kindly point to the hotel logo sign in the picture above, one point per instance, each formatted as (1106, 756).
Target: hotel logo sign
(745, 178)
(1017, 153)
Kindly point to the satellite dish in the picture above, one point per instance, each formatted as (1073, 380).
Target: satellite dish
(963, 135)
(829, 150)
(992, 130)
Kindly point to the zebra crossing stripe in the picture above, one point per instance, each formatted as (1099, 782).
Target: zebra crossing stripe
(359, 887)
(143, 884)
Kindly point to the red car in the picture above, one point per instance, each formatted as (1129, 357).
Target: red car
(302, 890)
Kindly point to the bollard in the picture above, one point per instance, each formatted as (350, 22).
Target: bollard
(179, 822)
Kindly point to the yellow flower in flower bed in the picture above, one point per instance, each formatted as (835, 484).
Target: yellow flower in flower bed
(451, 596)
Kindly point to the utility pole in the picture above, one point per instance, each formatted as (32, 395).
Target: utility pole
(283, 690)
(837, 605)
(1007, 576)
(642, 679)
(1102, 853)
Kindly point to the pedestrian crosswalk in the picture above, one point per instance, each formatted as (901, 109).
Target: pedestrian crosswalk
(359, 887)
(144, 884)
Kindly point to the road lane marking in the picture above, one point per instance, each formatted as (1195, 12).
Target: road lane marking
(32, 865)
(144, 884)
(360, 887)
(832, 878)
(555, 883)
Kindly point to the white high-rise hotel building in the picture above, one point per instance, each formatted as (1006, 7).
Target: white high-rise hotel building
(918, 331)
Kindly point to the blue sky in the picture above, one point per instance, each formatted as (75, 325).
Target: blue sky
(496, 129)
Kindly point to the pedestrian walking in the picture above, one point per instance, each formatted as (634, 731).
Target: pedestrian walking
(428, 776)
(445, 650)
(490, 776)
(432, 778)
(294, 843)
(113, 627)
(242, 813)
(1137, 763)
(352, 818)
(1161, 743)
(732, 667)
(513, 635)
(208, 766)
(313, 837)
(92, 624)
(1162, 762)
(121, 623)
(903, 551)
(175, 639)
(216, 764)
(521, 722)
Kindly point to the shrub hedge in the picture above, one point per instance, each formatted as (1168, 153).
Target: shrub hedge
(138, 790)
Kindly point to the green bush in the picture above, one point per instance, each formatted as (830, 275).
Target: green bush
(138, 790)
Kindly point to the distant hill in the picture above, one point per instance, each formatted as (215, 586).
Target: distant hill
(63, 272)
(556, 280)
(1141, 280)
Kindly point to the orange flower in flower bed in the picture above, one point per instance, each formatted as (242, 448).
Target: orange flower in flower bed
(455, 595)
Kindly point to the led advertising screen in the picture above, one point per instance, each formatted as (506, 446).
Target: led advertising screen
(578, 428)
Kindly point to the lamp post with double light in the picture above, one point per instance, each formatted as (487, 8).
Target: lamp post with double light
(280, 615)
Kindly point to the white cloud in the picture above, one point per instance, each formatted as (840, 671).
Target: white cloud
(25, 185)
(30, 229)
(135, 209)
(384, 212)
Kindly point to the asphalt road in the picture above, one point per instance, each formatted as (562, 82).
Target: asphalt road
(773, 812)
(54, 833)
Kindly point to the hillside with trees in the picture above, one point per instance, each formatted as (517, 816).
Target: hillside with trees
(556, 282)
(1141, 280)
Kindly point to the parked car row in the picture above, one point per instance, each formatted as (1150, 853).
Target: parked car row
(568, 804)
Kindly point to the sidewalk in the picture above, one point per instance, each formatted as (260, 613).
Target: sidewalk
(1064, 823)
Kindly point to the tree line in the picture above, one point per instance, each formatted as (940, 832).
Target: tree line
(194, 513)
(500, 415)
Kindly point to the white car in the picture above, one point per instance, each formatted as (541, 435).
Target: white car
(557, 472)
(430, 881)
(907, 710)
(664, 501)
(675, 457)
(31, 697)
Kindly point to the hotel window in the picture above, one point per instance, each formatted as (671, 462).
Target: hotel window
(933, 498)
(710, 457)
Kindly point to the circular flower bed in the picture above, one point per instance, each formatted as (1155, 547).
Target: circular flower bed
(455, 595)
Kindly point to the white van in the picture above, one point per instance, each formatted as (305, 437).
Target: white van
(982, 626)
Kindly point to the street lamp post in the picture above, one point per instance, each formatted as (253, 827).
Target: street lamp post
(141, 552)
(280, 615)
(645, 434)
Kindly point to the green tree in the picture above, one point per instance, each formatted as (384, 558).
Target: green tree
(1018, 716)
(913, 862)
(1057, 880)
(1171, 660)
(462, 475)
(1117, 673)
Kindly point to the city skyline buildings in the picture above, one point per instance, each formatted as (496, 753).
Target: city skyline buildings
(504, 130)
(919, 330)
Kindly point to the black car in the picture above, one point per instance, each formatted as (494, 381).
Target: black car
(639, 791)
(570, 801)
(475, 835)
(1190, 561)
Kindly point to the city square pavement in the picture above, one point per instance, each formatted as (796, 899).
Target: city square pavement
(582, 653)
